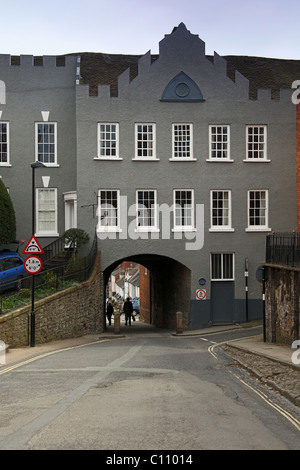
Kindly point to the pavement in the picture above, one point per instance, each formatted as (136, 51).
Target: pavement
(254, 344)
(271, 363)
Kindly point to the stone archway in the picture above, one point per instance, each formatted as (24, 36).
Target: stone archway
(170, 288)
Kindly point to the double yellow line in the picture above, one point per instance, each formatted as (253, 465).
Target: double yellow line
(295, 422)
(276, 407)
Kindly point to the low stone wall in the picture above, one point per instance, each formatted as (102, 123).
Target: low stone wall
(282, 304)
(71, 313)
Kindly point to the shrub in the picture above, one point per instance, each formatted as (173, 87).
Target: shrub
(7, 217)
(76, 237)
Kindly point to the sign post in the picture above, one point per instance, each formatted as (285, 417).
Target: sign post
(246, 285)
(33, 265)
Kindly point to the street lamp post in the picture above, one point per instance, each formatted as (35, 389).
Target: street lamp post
(34, 165)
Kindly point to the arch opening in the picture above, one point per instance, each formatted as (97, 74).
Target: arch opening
(165, 288)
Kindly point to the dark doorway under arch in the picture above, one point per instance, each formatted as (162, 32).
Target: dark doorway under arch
(170, 288)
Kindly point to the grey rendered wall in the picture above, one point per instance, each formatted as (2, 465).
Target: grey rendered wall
(29, 90)
(226, 102)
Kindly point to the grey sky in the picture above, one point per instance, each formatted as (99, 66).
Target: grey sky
(268, 28)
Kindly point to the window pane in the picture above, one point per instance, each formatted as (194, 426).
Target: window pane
(227, 266)
(183, 208)
(256, 142)
(220, 208)
(222, 266)
(109, 208)
(145, 140)
(219, 141)
(46, 210)
(216, 266)
(182, 141)
(108, 140)
(146, 208)
(45, 136)
(257, 208)
(3, 143)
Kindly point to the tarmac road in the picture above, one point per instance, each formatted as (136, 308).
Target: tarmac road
(145, 390)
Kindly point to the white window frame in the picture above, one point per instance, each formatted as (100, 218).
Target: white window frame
(219, 142)
(258, 227)
(254, 144)
(54, 231)
(222, 263)
(154, 226)
(108, 228)
(222, 227)
(46, 123)
(145, 140)
(7, 163)
(175, 128)
(100, 140)
(191, 210)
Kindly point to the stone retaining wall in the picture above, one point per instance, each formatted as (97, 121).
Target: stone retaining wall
(282, 304)
(71, 313)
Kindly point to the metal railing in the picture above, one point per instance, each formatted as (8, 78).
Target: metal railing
(50, 280)
(53, 249)
(283, 249)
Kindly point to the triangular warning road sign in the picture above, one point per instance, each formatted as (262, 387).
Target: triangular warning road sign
(33, 246)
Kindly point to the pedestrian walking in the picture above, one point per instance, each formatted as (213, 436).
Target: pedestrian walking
(109, 312)
(128, 310)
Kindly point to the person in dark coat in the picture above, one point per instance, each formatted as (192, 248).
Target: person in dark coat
(109, 312)
(128, 310)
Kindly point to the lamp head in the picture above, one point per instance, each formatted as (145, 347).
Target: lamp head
(37, 164)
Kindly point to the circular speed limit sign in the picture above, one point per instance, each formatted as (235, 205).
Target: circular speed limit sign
(33, 264)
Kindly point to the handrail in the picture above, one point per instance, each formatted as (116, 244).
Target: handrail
(53, 249)
(59, 273)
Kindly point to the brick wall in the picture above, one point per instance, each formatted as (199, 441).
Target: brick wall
(145, 314)
(171, 293)
(71, 313)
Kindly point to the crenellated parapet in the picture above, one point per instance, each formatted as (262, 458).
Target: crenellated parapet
(182, 56)
(28, 72)
(25, 60)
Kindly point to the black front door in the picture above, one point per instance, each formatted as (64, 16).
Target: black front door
(222, 302)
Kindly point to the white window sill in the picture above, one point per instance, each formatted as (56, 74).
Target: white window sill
(108, 158)
(256, 160)
(109, 230)
(219, 160)
(5, 164)
(51, 165)
(220, 229)
(258, 229)
(184, 229)
(47, 234)
(145, 159)
(147, 230)
(182, 159)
